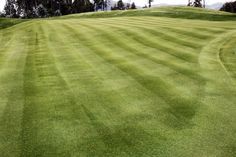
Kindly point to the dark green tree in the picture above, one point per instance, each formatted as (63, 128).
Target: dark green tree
(197, 3)
(128, 6)
(229, 7)
(114, 7)
(41, 11)
(10, 9)
(133, 6)
(99, 4)
(120, 5)
(82, 6)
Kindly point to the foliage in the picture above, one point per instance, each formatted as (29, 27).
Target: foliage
(10, 10)
(80, 6)
(43, 8)
(41, 11)
(99, 4)
(229, 7)
(195, 3)
(133, 6)
(120, 5)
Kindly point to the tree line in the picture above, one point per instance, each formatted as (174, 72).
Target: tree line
(44, 8)
(47, 8)
(229, 7)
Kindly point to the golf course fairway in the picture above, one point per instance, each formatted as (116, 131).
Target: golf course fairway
(146, 83)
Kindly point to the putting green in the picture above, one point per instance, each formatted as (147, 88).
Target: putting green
(158, 82)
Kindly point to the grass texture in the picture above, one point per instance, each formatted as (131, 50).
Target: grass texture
(138, 85)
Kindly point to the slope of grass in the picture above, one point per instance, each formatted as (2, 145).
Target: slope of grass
(120, 86)
(171, 12)
(4, 23)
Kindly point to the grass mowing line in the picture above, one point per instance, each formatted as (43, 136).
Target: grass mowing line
(143, 39)
(219, 96)
(173, 38)
(3, 56)
(227, 56)
(11, 85)
(96, 71)
(146, 22)
(199, 80)
(79, 56)
(160, 12)
(109, 39)
(159, 35)
(180, 110)
(153, 115)
(105, 133)
(219, 57)
(189, 33)
(182, 70)
(187, 43)
(65, 124)
(206, 59)
(43, 117)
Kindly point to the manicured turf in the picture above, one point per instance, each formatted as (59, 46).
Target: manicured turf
(130, 86)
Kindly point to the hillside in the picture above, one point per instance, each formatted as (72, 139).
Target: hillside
(158, 82)
(4, 23)
(172, 12)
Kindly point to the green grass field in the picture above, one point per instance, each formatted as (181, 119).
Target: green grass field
(158, 82)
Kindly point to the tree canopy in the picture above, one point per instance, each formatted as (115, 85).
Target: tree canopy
(44, 8)
(196, 3)
(229, 7)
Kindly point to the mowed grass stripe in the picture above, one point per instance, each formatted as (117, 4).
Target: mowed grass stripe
(43, 80)
(190, 33)
(88, 87)
(115, 39)
(105, 101)
(11, 96)
(181, 111)
(95, 63)
(145, 40)
(161, 38)
(158, 36)
(147, 47)
(195, 27)
(165, 22)
(150, 41)
(215, 96)
(227, 56)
